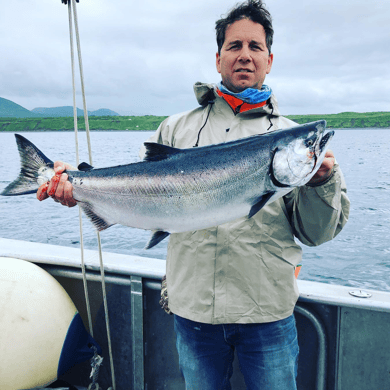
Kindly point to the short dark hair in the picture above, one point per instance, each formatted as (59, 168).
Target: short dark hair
(250, 9)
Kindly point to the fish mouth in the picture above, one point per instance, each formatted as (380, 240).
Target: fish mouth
(325, 139)
(320, 146)
(322, 143)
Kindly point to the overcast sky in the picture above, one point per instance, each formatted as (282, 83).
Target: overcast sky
(142, 57)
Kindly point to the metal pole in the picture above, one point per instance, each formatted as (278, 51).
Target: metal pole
(137, 332)
(322, 346)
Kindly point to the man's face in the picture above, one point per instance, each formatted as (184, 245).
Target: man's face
(244, 60)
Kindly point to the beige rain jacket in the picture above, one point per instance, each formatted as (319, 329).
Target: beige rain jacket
(243, 271)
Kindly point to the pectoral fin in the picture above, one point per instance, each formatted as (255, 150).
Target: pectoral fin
(157, 236)
(260, 202)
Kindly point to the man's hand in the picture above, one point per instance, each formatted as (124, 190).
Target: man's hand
(325, 170)
(58, 188)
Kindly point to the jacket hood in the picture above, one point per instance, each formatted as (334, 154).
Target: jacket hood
(205, 92)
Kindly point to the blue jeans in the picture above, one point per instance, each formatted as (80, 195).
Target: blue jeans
(267, 354)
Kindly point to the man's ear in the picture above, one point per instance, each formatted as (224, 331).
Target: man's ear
(270, 62)
(218, 62)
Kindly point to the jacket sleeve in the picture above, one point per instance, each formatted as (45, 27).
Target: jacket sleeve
(318, 213)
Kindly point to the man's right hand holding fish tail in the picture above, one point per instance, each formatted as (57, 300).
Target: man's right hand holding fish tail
(58, 188)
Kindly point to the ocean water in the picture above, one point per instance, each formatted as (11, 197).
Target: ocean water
(359, 256)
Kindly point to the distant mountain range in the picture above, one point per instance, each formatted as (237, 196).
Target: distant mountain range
(13, 110)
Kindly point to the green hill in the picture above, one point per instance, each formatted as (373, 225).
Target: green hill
(356, 120)
(150, 122)
(64, 111)
(9, 109)
(147, 122)
(103, 112)
(47, 112)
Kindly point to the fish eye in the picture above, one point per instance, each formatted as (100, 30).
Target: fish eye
(309, 142)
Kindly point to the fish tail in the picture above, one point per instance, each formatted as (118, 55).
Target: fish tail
(33, 164)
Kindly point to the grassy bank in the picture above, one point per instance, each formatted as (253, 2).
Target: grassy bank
(148, 122)
(151, 122)
(346, 120)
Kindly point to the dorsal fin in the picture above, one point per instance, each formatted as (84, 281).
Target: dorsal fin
(157, 152)
(84, 167)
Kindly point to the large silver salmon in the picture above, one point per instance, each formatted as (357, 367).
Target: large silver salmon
(177, 190)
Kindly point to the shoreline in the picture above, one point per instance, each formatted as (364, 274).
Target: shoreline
(344, 120)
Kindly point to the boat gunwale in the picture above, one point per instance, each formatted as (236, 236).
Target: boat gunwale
(65, 261)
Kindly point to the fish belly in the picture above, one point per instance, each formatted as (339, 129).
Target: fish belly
(173, 212)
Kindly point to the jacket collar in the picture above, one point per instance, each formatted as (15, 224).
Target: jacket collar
(208, 92)
(238, 105)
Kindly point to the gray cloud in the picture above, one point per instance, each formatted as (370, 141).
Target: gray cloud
(143, 57)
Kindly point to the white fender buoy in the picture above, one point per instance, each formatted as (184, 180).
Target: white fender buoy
(41, 333)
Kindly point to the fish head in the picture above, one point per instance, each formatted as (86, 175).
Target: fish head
(299, 153)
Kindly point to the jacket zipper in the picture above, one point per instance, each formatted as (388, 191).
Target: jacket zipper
(237, 109)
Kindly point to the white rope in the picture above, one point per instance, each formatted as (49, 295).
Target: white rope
(90, 161)
(78, 162)
(76, 26)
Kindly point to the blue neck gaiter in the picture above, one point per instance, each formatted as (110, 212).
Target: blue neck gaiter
(249, 95)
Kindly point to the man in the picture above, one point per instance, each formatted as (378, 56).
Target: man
(232, 287)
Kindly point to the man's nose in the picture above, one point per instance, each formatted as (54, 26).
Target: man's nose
(245, 54)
